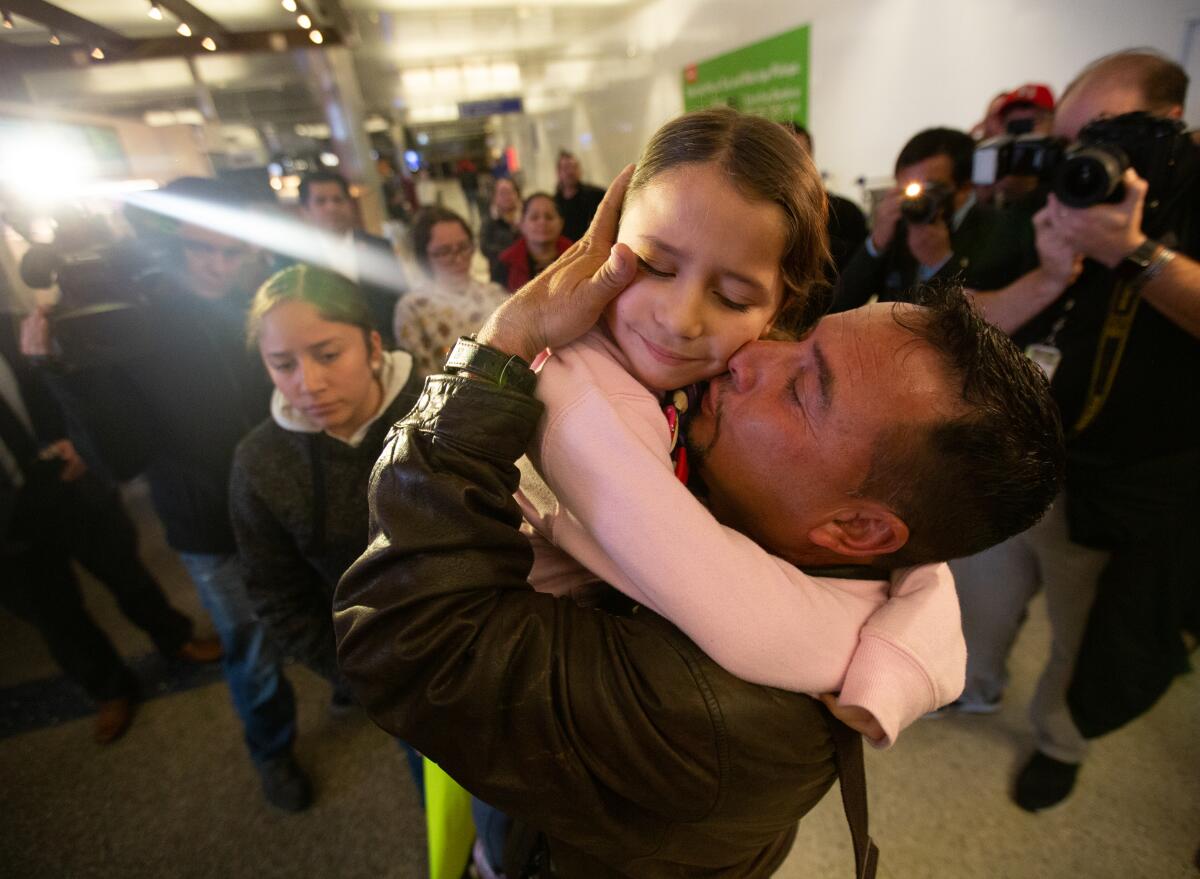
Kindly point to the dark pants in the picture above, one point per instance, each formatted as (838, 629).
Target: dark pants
(85, 521)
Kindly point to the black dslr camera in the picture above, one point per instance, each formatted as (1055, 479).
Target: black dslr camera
(924, 203)
(1087, 172)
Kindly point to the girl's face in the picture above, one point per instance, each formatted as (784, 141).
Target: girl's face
(709, 276)
(541, 223)
(323, 368)
(450, 250)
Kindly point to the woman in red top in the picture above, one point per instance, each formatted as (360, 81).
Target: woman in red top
(540, 243)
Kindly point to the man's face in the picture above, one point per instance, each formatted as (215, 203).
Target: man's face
(216, 264)
(568, 172)
(935, 169)
(1105, 96)
(329, 207)
(785, 439)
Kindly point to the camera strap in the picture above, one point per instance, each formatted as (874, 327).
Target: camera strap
(1122, 308)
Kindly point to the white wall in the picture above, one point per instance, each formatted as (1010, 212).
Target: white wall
(881, 70)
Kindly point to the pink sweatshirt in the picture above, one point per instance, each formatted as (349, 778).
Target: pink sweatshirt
(611, 502)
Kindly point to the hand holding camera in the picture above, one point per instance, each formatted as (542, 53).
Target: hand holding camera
(1058, 261)
(1104, 232)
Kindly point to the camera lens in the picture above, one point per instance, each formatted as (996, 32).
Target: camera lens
(1091, 175)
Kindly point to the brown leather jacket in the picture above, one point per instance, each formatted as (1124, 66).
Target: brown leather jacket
(634, 752)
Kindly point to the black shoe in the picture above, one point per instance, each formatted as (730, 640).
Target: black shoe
(285, 784)
(1044, 782)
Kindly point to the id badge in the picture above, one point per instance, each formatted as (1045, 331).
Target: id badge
(1046, 356)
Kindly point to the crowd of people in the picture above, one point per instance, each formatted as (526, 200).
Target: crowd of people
(668, 531)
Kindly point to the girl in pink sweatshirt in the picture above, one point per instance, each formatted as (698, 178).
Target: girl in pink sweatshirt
(726, 215)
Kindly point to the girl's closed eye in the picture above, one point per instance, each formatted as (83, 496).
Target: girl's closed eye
(652, 271)
(732, 304)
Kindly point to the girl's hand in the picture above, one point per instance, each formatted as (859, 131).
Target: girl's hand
(566, 300)
(858, 719)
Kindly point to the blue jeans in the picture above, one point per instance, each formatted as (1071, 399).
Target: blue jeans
(491, 827)
(261, 694)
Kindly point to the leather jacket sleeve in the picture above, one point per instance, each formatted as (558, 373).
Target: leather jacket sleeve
(592, 726)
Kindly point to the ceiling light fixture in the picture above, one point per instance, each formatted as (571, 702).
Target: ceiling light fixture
(289, 5)
(155, 12)
(98, 53)
(209, 43)
(183, 30)
(304, 21)
(54, 40)
(316, 37)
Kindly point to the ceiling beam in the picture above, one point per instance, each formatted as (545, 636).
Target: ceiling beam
(64, 23)
(30, 59)
(200, 23)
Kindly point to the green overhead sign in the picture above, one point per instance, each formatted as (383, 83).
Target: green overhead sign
(768, 79)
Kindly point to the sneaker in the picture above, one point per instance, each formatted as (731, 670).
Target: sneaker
(285, 785)
(965, 705)
(1044, 782)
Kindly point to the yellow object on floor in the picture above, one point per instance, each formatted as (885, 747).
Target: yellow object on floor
(448, 824)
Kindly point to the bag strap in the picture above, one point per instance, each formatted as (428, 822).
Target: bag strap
(852, 774)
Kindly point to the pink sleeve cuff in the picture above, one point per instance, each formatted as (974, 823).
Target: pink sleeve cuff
(889, 682)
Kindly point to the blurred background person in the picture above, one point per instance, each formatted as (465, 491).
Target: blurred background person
(846, 224)
(174, 410)
(429, 320)
(1027, 111)
(540, 243)
(53, 511)
(500, 228)
(577, 201)
(366, 259)
(298, 490)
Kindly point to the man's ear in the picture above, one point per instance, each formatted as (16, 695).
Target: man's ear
(862, 531)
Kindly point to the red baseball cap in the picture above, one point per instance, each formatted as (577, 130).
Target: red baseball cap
(1033, 94)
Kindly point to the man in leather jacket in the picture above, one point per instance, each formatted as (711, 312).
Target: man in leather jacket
(605, 728)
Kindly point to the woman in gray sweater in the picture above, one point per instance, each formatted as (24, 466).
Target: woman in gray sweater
(298, 491)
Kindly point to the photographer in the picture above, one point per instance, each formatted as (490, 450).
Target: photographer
(174, 409)
(1027, 110)
(930, 227)
(1113, 316)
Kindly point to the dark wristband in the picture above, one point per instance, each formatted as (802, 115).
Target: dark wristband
(485, 362)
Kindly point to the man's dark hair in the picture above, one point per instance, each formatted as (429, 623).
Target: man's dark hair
(1163, 83)
(565, 154)
(307, 181)
(956, 145)
(422, 231)
(966, 483)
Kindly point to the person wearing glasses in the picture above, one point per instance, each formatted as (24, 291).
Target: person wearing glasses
(429, 320)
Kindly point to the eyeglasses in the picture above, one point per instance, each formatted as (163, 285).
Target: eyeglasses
(452, 250)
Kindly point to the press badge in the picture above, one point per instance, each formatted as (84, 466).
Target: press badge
(1046, 356)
